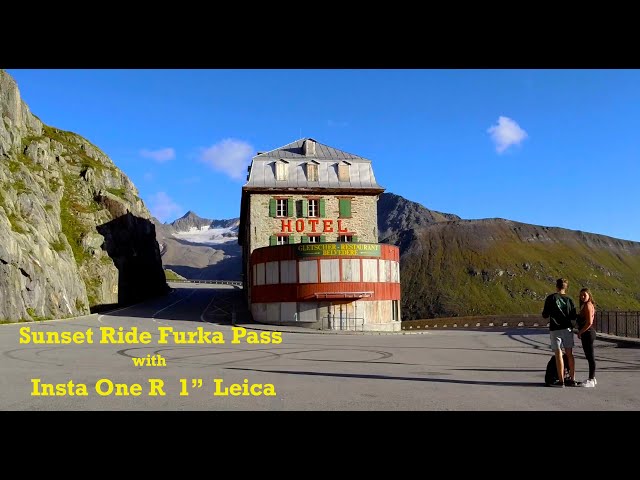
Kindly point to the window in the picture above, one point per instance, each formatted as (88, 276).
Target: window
(384, 270)
(312, 172)
(343, 172)
(313, 208)
(288, 271)
(260, 274)
(281, 207)
(330, 270)
(271, 273)
(281, 170)
(350, 269)
(344, 207)
(345, 238)
(308, 271)
(280, 240)
(394, 310)
(313, 239)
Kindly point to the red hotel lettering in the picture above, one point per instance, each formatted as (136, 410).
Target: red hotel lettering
(327, 226)
(288, 226)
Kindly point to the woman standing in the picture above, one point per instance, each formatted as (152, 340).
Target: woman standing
(587, 333)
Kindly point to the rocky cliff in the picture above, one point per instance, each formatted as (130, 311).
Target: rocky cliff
(74, 235)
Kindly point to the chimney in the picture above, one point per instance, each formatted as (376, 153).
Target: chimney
(309, 148)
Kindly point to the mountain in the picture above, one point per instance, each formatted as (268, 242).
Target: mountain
(455, 267)
(449, 266)
(397, 214)
(75, 235)
(201, 248)
(190, 221)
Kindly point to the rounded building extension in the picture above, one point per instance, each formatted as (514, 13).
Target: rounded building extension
(343, 286)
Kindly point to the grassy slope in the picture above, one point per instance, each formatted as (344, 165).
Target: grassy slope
(486, 267)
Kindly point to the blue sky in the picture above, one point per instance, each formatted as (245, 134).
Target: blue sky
(557, 148)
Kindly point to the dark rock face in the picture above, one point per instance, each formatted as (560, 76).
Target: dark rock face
(189, 221)
(131, 243)
(61, 199)
(397, 214)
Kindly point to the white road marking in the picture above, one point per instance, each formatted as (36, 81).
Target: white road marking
(153, 317)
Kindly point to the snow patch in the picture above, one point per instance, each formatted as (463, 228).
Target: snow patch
(208, 236)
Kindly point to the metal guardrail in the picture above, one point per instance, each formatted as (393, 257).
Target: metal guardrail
(219, 282)
(618, 323)
(624, 324)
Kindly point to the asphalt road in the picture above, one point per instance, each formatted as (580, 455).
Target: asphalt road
(445, 370)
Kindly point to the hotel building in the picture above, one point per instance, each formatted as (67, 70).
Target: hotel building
(309, 237)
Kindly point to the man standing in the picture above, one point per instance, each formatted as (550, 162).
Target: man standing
(560, 310)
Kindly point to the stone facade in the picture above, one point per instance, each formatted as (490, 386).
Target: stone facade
(363, 220)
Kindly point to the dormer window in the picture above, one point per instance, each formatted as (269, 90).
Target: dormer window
(282, 167)
(343, 171)
(312, 172)
(309, 147)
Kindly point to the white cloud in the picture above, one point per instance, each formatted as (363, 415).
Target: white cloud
(506, 133)
(160, 156)
(229, 156)
(163, 208)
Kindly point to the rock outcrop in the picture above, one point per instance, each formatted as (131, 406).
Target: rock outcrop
(74, 234)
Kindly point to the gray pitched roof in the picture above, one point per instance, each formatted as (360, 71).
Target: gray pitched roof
(296, 155)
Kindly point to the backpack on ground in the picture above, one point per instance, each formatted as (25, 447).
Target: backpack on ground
(551, 375)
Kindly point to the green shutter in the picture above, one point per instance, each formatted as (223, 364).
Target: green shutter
(322, 209)
(305, 239)
(305, 208)
(291, 239)
(272, 207)
(273, 240)
(345, 207)
(290, 212)
(323, 239)
(354, 238)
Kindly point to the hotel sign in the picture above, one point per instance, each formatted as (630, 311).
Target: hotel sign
(337, 249)
(312, 225)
